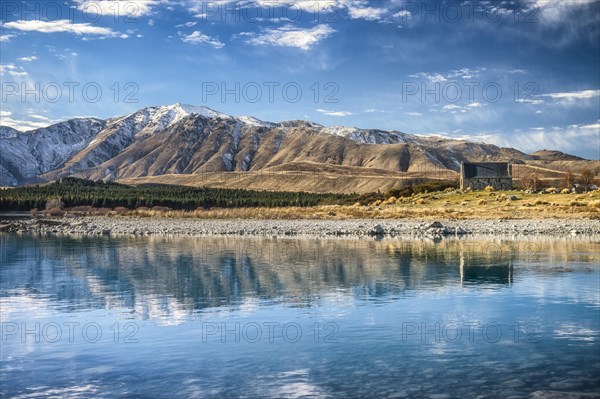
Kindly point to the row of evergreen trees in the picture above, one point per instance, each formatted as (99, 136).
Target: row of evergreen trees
(72, 192)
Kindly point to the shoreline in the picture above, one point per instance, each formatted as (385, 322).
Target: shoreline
(136, 226)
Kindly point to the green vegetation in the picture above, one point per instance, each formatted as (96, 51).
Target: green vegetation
(71, 192)
(421, 187)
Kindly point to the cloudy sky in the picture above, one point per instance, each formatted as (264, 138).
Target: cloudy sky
(524, 74)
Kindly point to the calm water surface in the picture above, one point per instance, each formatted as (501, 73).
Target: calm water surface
(230, 317)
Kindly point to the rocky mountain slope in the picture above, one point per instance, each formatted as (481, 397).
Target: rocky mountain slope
(186, 141)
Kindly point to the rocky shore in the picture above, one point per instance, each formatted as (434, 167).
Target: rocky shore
(101, 225)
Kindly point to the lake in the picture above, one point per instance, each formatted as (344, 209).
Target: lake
(220, 317)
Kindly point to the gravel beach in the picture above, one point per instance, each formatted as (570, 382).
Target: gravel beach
(101, 225)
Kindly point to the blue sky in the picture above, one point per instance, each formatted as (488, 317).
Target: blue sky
(524, 74)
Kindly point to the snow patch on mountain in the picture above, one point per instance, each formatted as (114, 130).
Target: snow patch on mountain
(252, 121)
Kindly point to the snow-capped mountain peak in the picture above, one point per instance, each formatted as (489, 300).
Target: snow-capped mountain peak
(185, 110)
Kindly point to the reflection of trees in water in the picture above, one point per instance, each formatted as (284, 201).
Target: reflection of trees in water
(198, 273)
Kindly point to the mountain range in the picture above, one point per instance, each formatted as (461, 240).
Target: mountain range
(183, 144)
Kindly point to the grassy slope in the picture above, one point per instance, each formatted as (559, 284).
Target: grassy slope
(326, 178)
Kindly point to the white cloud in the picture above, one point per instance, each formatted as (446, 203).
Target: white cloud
(333, 113)
(198, 37)
(568, 139)
(402, 14)
(28, 59)
(432, 77)
(595, 126)
(130, 9)
(466, 73)
(552, 11)
(357, 9)
(534, 11)
(23, 125)
(533, 101)
(290, 36)
(186, 25)
(368, 13)
(474, 104)
(62, 25)
(451, 107)
(6, 38)
(373, 111)
(39, 117)
(414, 114)
(573, 95)
(150, 22)
(463, 73)
(304, 5)
(13, 70)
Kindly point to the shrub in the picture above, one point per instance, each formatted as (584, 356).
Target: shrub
(530, 182)
(594, 204)
(587, 177)
(420, 187)
(54, 203)
(568, 179)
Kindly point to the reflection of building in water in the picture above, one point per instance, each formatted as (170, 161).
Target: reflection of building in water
(487, 274)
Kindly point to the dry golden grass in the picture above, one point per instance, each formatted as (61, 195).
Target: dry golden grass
(443, 205)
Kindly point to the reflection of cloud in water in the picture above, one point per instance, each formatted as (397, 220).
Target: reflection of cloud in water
(15, 303)
(294, 384)
(75, 391)
(576, 333)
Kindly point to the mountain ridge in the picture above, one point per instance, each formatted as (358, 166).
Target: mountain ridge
(182, 139)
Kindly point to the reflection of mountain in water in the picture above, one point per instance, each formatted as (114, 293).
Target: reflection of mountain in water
(163, 275)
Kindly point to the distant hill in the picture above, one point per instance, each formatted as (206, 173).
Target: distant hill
(182, 144)
(548, 155)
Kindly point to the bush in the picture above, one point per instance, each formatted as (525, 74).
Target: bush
(594, 204)
(530, 182)
(421, 187)
(54, 203)
(568, 179)
(587, 178)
